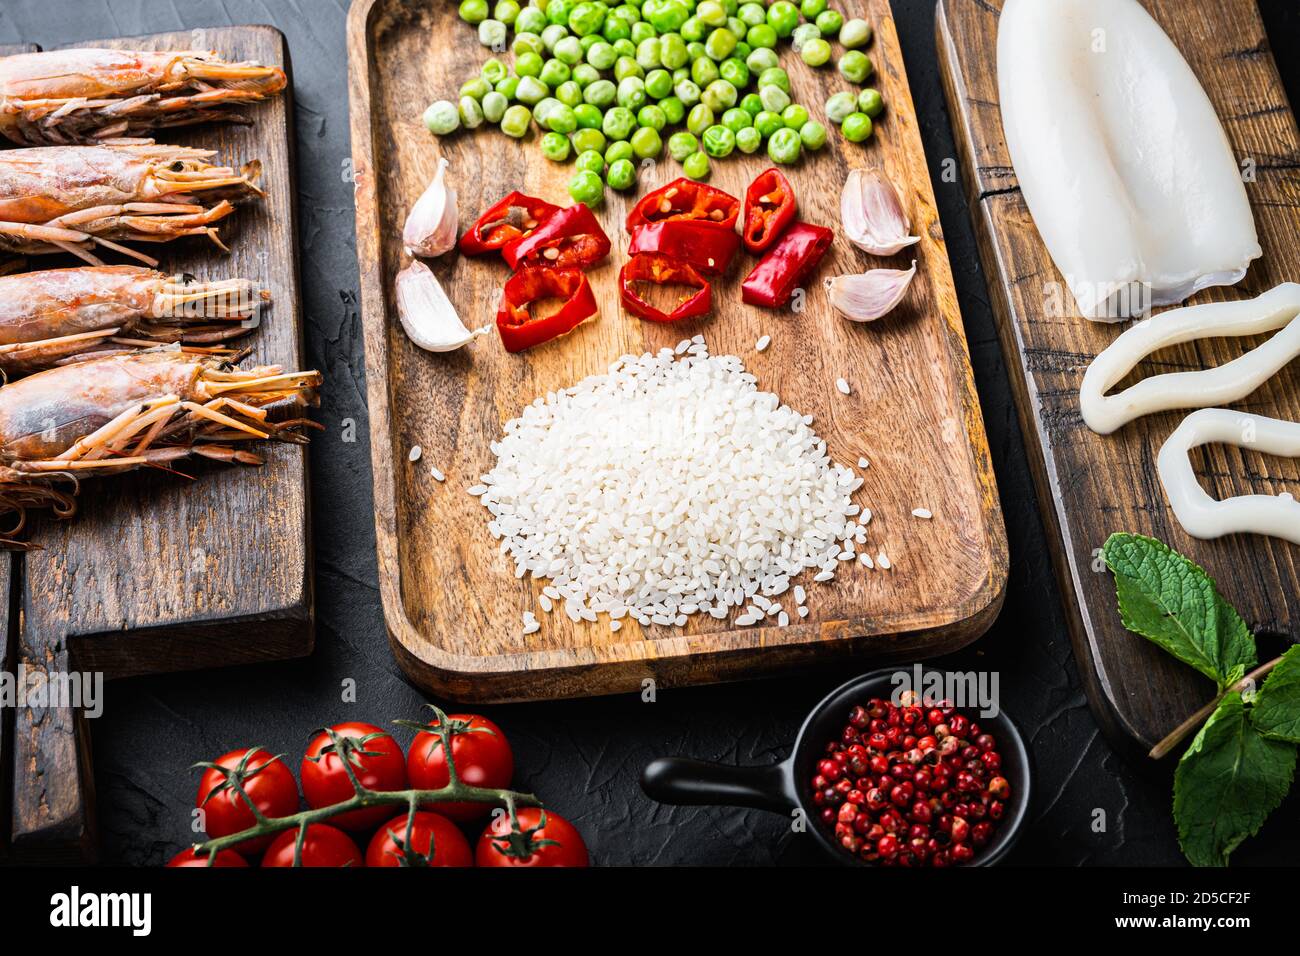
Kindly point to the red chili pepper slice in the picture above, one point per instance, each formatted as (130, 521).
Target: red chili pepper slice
(701, 244)
(770, 206)
(789, 262)
(686, 199)
(518, 327)
(570, 237)
(496, 227)
(661, 270)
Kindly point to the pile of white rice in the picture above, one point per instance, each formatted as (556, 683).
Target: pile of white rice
(669, 486)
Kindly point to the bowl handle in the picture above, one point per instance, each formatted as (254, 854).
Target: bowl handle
(684, 782)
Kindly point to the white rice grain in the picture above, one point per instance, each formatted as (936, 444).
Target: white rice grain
(762, 343)
(924, 513)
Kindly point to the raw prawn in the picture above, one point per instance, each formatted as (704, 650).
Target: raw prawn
(79, 96)
(67, 315)
(148, 408)
(71, 198)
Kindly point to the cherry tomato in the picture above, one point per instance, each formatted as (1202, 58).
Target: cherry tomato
(323, 846)
(227, 858)
(482, 756)
(266, 780)
(375, 758)
(450, 848)
(541, 838)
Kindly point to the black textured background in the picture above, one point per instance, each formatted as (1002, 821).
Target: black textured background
(584, 757)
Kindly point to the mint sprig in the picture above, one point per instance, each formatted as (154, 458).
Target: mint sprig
(1240, 765)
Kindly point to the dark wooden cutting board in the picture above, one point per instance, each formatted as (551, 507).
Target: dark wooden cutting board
(158, 573)
(1090, 485)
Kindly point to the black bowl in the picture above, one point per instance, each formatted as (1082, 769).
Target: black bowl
(786, 786)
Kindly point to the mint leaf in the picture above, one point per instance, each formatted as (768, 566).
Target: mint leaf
(1228, 782)
(1173, 602)
(1276, 711)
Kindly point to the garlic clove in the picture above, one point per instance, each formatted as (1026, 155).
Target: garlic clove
(434, 220)
(871, 295)
(427, 315)
(872, 214)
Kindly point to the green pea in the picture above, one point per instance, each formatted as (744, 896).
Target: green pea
(646, 143)
(584, 43)
(476, 88)
(813, 135)
(742, 50)
(615, 29)
(584, 74)
(494, 71)
(625, 47)
(751, 103)
(736, 119)
(681, 73)
(531, 90)
(768, 122)
(719, 96)
(688, 91)
(682, 144)
(652, 116)
(558, 11)
(812, 8)
(856, 127)
(471, 114)
(762, 59)
(570, 51)
(642, 31)
(553, 34)
(631, 92)
(794, 116)
(494, 107)
(602, 56)
(555, 147)
(719, 141)
(600, 93)
(734, 72)
(855, 33)
(506, 11)
(515, 120)
(588, 116)
(802, 34)
(492, 34)
(775, 76)
(672, 51)
(527, 43)
(840, 105)
(695, 51)
(829, 22)
(620, 149)
(783, 17)
(586, 187)
(509, 87)
(674, 110)
(570, 93)
(627, 66)
(658, 84)
(618, 123)
(543, 109)
(704, 71)
(774, 98)
(694, 30)
(699, 119)
(591, 160)
(871, 102)
(711, 12)
(855, 66)
(554, 73)
(761, 37)
(696, 166)
(530, 20)
(473, 11)
(720, 44)
(585, 140)
(528, 63)
(586, 18)
(816, 52)
(562, 119)
(621, 175)
(784, 146)
(752, 14)
(647, 54)
(442, 118)
(748, 139)
(668, 16)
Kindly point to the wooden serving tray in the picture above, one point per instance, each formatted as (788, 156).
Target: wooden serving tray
(452, 604)
(1090, 485)
(157, 573)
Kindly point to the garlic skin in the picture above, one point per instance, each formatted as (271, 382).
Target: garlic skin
(872, 214)
(871, 295)
(434, 220)
(427, 315)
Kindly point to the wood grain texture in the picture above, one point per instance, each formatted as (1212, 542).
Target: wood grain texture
(452, 604)
(158, 573)
(1089, 485)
